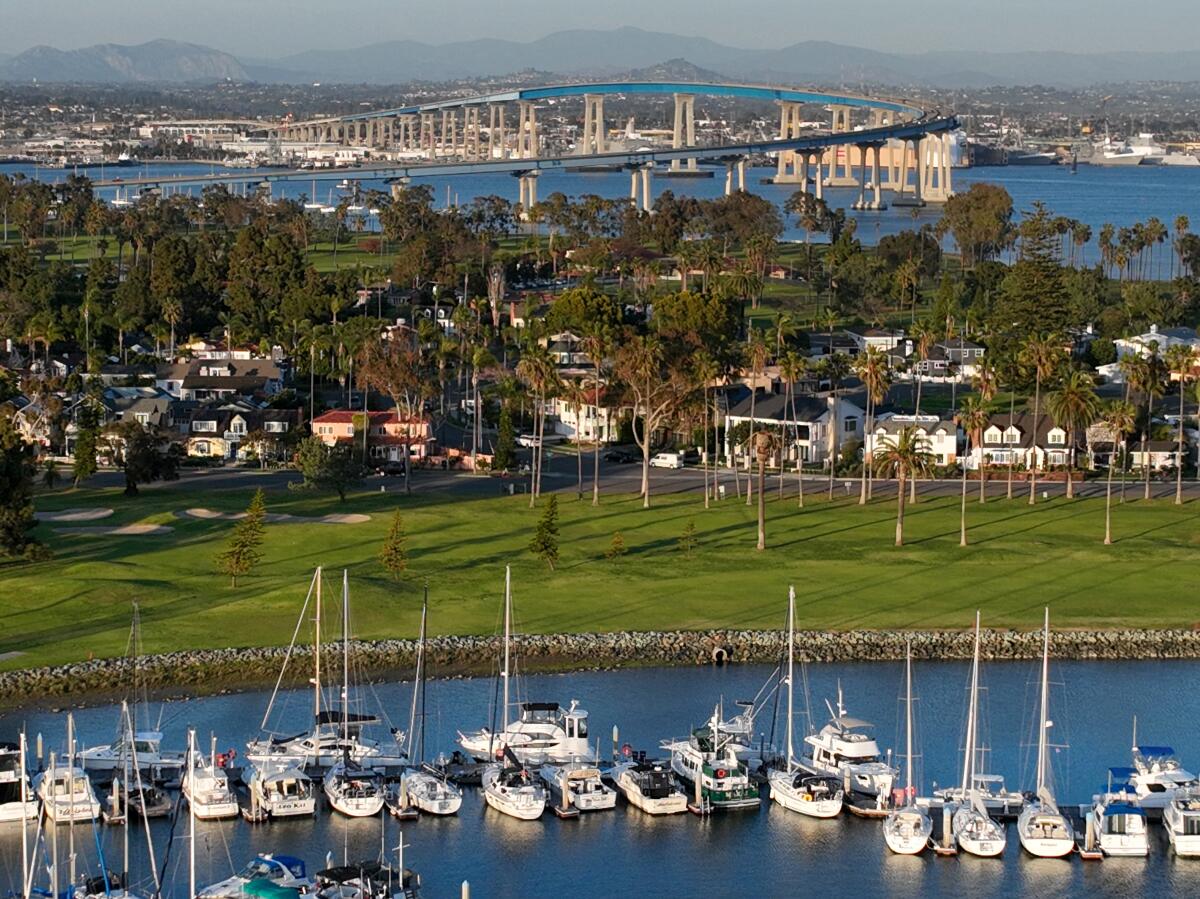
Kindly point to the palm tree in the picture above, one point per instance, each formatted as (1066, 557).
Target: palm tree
(973, 417)
(1181, 229)
(482, 362)
(1042, 355)
(901, 456)
(835, 368)
(596, 343)
(871, 366)
(536, 371)
(924, 336)
(577, 395)
(764, 443)
(706, 371)
(172, 313)
(1120, 418)
(792, 367)
(1181, 360)
(756, 357)
(1147, 378)
(1074, 406)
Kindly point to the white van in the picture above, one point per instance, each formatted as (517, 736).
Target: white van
(667, 460)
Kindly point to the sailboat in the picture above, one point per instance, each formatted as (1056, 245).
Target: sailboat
(509, 787)
(113, 757)
(973, 828)
(798, 791)
(422, 786)
(334, 735)
(1044, 830)
(351, 788)
(544, 731)
(907, 829)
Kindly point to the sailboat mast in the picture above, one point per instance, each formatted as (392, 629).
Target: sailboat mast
(791, 650)
(345, 655)
(1041, 760)
(24, 820)
(191, 763)
(507, 639)
(417, 676)
(71, 797)
(969, 749)
(908, 724)
(317, 653)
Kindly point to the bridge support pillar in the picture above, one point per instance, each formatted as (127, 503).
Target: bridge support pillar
(737, 166)
(527, 182)
(593, 125)
(428, 138)
(496, 137)
(528, 144)
(684, 134)
(841, 158)
(789, 128)
(471, 142)
(876, 187)
(640, 180)
(934, 168)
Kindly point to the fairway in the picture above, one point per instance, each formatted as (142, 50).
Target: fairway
(839, 556)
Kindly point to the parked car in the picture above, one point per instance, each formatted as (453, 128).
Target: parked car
(690, 456)
(620, 456)
(667, 460)
(392, 469)
(527, 440)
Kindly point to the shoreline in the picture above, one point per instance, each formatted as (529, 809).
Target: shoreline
(210, 671)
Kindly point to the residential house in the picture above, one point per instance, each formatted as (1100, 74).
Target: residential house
(1025, 443)
(821, 344)
(113, 374)
(593, 421)
(220, 379)
(880, 338)
(388, 434)
(1139, 344)
(566, 349)
(813, 418)
(939, 437)
(241, 430)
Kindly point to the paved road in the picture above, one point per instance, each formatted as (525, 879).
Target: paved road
(560, 475)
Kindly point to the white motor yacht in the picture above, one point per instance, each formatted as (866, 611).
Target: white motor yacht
(282, 791)
(796, 790)
(66, 794)
(511, 789)
(115, 756)
(206, 787)
(1181, 820)
(1158, 775)
(973, 828)
(707, 763)
(1116, 818)
(577, 786)
(907, 829)
(650, 787)
(843, 749)
(277, 872)
(353, 790)
(1044, 831)
(17, 799)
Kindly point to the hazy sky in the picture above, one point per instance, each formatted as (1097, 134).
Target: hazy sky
(268, 28)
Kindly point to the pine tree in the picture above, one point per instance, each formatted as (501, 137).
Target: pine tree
(687, 540)
(243, 553)
(506, 442)
(85, 445)
(545, 539)
(616, 548)
(393, 556)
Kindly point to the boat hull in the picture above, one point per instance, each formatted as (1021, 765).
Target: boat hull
(215, 811)
(431, 795)
(1042, 847)
(674, 804)
(356, 807)
(18, 811)
(1185, 845)
(800, 800)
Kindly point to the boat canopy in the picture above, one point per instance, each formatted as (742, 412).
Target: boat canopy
(346, 873)
(150, 736)
(334, 716)
(1121, 773)
(1123, 808)
(1116, 788)
(1154, 751)
(294, 865)
(540, 706)
(851, 723)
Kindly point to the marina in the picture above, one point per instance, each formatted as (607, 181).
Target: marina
(499, 854)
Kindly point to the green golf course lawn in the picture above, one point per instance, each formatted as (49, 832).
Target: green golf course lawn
(839, 556)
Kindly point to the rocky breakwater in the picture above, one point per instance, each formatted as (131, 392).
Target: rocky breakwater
(211, 670)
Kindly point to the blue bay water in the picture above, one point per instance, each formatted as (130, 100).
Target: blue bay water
(764, 852)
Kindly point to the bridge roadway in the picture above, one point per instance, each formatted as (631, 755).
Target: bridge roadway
(909, 131)
(664, 88)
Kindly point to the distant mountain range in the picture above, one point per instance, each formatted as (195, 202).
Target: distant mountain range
(597, 53)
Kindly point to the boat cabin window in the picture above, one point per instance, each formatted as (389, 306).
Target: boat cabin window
(583, 731)
(1191, 825)
(1156, 787)
(144, 746)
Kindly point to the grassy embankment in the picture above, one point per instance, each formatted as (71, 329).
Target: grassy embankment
(840, 558)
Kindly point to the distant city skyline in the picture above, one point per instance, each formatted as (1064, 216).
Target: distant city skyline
(273, 28)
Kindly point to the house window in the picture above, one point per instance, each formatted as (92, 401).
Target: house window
(202, 447)
(143, 418)
(1056, 437)
(275, 427)
(237, 426)
(850, 425)
(1012, 435)
(207, 427)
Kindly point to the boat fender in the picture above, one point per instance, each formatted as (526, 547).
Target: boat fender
(626, 750)
(720, 774)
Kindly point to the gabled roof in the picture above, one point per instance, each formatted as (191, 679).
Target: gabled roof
(775, 407)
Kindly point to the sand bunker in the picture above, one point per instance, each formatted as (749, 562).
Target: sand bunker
(74, 515)
(278, 517)
(126, 530)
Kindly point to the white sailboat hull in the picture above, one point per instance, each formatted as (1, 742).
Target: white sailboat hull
(525, 803)
(354, 807)
(907, 832)
(986, 840)
(1045, 834)
(799, 800)
(431, 794)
